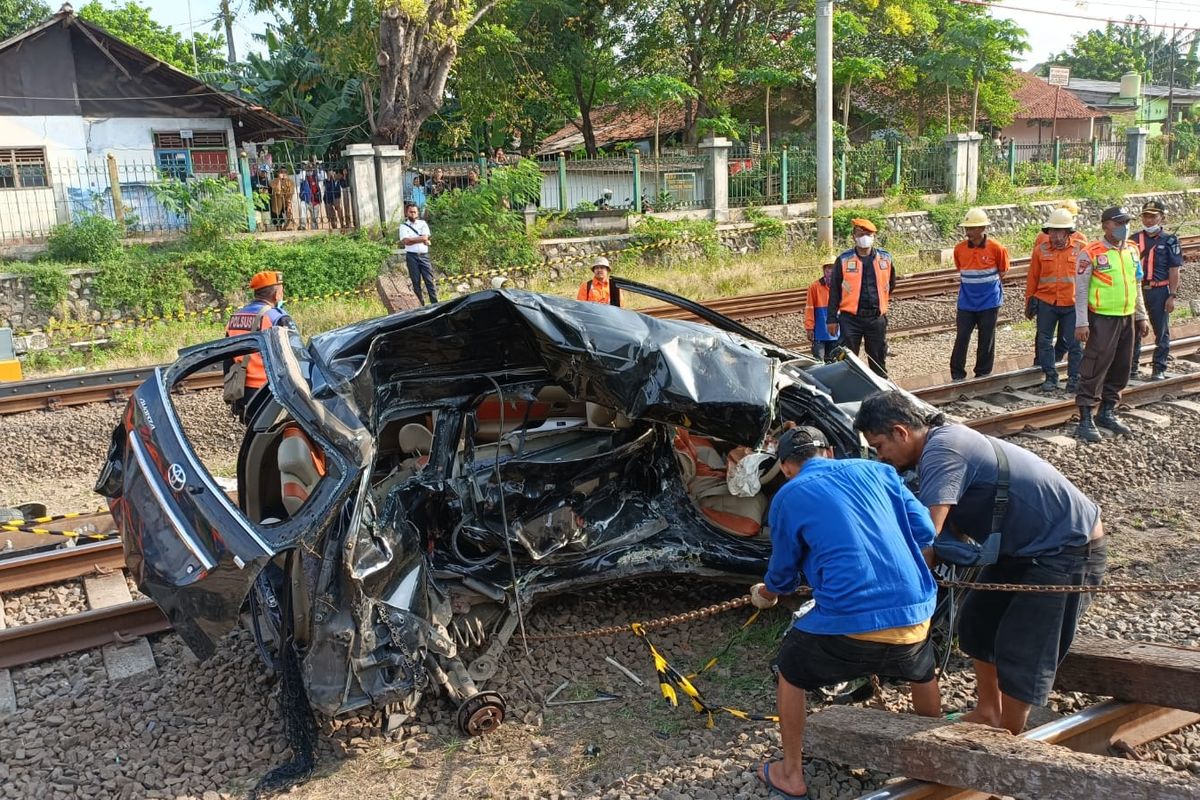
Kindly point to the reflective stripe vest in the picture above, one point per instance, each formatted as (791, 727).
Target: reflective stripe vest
(1052, 272)
(1148, 247)
(852, 270)
(816, 312)
(1115, 275)
(243, 322)
(594, 291)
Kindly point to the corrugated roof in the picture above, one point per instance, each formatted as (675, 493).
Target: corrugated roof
(612, 124)
(1112, 89)
(1036, 99)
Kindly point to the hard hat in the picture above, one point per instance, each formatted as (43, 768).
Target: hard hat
(1070, 205)
(600, 261)
(267, 278)
(975, 218)
(1060, 218)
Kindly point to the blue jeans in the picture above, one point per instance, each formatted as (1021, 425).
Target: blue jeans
(822, 350)
(1060, 320)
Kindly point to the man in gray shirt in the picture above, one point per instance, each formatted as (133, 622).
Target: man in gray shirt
(1050, 534)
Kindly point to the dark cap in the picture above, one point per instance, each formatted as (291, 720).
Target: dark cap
(1153, 206)
(802, 437)
(1119, 213)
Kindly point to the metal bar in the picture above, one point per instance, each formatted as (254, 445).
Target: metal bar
(562, 183)
(40, 569)
(783, 176)
(90, 629)
(637, 181)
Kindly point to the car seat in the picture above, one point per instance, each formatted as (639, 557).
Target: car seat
(301, 467)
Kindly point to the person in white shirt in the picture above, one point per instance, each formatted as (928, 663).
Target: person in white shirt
(414, 235)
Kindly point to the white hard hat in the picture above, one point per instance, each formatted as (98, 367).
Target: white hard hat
(600, 261)
(500, 281)
(1060, 218)
(975, 218)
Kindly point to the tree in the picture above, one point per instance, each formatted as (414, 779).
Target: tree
(133, 24)
(20, 15)
(769, 77)
(418, 41)
(1125, 47)
(989, 46)
(657, 93)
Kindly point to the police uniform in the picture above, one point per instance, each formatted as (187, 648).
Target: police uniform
(1161, 258)
(859, 291)
(258, 315)
(1108, 294)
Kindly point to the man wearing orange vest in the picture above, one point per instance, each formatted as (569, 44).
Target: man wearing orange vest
(1061, 347)
(816, 316)
(981, 262)
(598, 289)
(1108, 310)
(1050, 296)
(862, 282)
(265, 311)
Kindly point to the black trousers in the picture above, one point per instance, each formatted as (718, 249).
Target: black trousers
(985, 354)
(821, 350)
(857, 330)
(1160, 322)
(1106, 359)
(420, 269)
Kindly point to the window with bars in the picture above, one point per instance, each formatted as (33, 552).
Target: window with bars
(23, 168)
(203, 153)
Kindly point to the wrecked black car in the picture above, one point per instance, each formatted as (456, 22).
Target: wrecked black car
(408, 484)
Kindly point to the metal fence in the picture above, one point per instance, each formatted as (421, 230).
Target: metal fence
(1048, 163)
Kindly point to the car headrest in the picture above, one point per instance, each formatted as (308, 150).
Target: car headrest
(414, 438)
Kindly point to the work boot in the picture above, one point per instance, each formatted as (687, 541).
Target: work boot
(1158, 375)
(1072, 385)
(1050, 384)
(1135, 374)
(1087, 427)
(1107, 418)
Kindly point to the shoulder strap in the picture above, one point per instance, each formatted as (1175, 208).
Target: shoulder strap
(258, 318)
(1000, 502)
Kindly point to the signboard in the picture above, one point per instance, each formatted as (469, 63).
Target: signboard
(185, 134)
(681, 185)
(1059, 76)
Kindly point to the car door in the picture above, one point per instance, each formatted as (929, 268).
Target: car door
(187, 542)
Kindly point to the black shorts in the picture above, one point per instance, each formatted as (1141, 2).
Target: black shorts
(810, 660)
(1026, 635)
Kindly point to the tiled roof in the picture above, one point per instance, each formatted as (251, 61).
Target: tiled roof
(1036, 100)
(612, 124)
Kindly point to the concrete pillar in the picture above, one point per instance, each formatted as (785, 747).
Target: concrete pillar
(718, 174)
(1135, 152)
(389, 165)
(364, 195)
(962, 165)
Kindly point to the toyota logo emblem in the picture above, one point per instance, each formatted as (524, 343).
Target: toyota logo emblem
(176, 477)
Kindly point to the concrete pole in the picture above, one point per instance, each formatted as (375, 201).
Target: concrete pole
(825, 125)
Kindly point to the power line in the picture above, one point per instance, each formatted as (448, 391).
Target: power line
(1137, 23)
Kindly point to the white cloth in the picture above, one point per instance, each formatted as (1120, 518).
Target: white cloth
(743, 478)
(409, 229)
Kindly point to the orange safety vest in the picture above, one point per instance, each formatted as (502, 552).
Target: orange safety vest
(1051, 276)
(852, 281)
(243, 322)
(594, 292)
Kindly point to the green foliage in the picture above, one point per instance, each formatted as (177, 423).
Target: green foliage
(321, 265)
(132, 23)
(1131, 47)
(215, 207)
(478, 228)
(769, 231)
(652, 230)
(93, 239)
(19, 15)
(145, 282)
(843, 228)
(946, 217)
(48, 280)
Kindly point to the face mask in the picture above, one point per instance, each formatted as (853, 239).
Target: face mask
(279, 305)
(1121, 233)
(1152, 229)
(865, 242)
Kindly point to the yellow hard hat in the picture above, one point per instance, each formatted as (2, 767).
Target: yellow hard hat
(975, 218)
(1060, 218)
(1070, 205)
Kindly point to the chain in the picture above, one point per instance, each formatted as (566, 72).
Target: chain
(1191, 586)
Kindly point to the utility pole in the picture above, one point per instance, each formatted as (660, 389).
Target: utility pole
(192, 36)
(227, 18)
(1167, 129)
(825, 125)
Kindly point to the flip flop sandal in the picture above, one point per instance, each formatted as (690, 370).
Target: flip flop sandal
(955, 716)
(764, 776)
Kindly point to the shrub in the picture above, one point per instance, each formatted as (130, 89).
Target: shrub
(843, 228)
(321, 265)
(653, 230)
(92, 239)
(217, 216)
(768, 230)
(48, 280)
(145, 282)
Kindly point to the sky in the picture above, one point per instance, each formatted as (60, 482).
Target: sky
(1047, 34)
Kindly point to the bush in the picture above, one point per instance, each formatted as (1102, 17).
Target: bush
(49, 281)
(93, 239)
(768, 230)
(145, 282)
(652, 230)
(218, 216)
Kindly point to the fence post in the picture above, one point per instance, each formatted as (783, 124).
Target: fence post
(244, 180)
(562, 183)
(718, 174)
(842, 177)
(1057, 156)
(1135, 152)
(637, 181)
(1095, 152)
(389, 160)
(896, 171)
(783, 176)
(483, 165)
(962, 165)
(114, 181)
(364, 191)
(1012, 160)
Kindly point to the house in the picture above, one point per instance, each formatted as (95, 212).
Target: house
(1045, 112)
(612, 124)
(71, 94)
(1145, 106)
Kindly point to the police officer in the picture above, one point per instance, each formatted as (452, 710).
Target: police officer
(1108, 310)
(1161, 260)
(264, 311)
(862, 282)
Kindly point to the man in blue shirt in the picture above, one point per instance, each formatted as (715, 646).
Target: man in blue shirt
(1050, 534)
(857, 534)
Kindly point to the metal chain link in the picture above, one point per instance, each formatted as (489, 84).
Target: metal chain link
(1191, 586)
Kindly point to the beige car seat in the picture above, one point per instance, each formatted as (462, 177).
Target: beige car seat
(301, 467)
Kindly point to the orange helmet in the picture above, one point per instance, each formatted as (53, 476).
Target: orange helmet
(264, 279)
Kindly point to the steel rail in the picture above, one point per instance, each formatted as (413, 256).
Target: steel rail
(1098, 729)
(44, 394)
(40, 569)
(86, 630)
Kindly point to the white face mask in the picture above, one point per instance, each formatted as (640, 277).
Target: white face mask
(1152, 229)
(865, 241)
